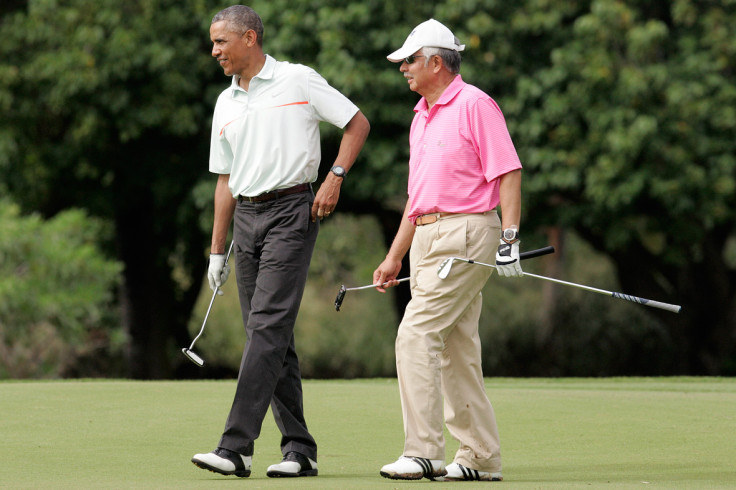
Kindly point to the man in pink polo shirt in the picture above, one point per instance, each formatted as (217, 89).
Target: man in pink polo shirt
(462, 166)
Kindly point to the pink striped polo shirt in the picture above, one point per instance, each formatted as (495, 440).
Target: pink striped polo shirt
(458, 149)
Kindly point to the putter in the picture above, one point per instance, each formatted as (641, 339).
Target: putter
(343, 290)
(446, 266)
(188, 351)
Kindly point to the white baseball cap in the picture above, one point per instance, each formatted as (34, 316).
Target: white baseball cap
(429, 34)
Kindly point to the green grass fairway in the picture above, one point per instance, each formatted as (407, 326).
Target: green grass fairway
(556, 433)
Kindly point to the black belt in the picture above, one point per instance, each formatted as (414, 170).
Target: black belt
(267, 196)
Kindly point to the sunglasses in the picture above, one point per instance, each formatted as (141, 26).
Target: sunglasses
(411, 59)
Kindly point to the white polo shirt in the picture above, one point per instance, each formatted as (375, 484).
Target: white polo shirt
(267, 138)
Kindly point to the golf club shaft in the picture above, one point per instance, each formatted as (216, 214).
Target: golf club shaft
(341, 294)
(524, 255)
(375, 285)
(214, 295)
(626, 297)
(206, 315)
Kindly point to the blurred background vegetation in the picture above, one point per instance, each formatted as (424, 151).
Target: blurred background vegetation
(622, 111)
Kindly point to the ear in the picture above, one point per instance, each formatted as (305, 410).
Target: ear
(250, 37)
(437, 63)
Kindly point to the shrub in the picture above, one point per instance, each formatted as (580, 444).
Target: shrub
(56, 295)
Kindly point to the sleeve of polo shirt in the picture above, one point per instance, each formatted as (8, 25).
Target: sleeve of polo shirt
(492, 140)
(221, 155)
(328, 103)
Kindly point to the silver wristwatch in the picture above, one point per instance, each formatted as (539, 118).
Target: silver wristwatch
(510, 234)
(338, 171)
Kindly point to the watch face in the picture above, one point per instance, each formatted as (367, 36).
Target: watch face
(339, 171)
(509, 234)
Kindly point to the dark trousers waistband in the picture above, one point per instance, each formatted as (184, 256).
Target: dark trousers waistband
(268, 196)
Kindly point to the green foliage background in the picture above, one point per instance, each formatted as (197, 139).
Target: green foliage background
(622, 112)
(57, 310)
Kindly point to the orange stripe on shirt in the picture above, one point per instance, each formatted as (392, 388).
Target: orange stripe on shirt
(274, 107)
(292, 103)
(226, 125)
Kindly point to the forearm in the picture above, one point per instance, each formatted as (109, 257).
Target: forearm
(402, 240)
(510, 195)
(387, 271)
(224, 209)
(353, 139)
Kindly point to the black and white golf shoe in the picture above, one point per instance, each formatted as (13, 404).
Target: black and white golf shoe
(293, 464)
(224, 462)
(412, 468)
(458, 472)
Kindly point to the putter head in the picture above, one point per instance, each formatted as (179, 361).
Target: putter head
(444, 270)
(193, 357)
(340, 297)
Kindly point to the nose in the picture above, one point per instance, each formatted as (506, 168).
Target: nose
(215, 51)
(404, 67)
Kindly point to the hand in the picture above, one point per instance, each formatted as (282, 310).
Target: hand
(326, 198)
(508, 263)
(218, 272)
(385, 274)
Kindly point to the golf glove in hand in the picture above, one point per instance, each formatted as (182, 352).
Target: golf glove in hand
(508, 263)
(218, 272)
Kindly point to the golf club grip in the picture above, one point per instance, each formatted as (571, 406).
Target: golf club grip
(647, 302)
(612, 294)
(536, 253)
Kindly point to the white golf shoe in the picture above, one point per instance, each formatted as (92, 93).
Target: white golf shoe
(224, 462)
(458, 472)
(413, 468)
(293, 464)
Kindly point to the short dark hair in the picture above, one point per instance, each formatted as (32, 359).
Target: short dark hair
(240, 19)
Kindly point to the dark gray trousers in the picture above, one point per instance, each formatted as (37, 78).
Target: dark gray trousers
(274, 241)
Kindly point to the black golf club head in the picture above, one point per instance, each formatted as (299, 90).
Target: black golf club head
(340, 297)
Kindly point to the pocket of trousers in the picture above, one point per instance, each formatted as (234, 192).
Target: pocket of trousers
(452, 238)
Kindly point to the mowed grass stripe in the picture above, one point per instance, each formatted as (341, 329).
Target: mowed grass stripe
(556, 433)
(625, 436)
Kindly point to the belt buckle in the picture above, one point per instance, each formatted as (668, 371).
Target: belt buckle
(428, 219)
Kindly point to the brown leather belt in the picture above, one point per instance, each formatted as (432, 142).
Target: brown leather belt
(427, 219)
(267, 196)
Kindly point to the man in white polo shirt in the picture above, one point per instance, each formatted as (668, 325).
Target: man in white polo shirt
(462, 166)
(265, 149)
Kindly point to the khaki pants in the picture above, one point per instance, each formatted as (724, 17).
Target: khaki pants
(438, 352)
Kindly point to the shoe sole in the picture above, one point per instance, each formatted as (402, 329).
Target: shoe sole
(402, 476)
(472, 479)
(283, 474)
(411, 476)
(213, 469)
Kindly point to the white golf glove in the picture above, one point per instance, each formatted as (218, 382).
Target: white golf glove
(508, 263)
(218, 272)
